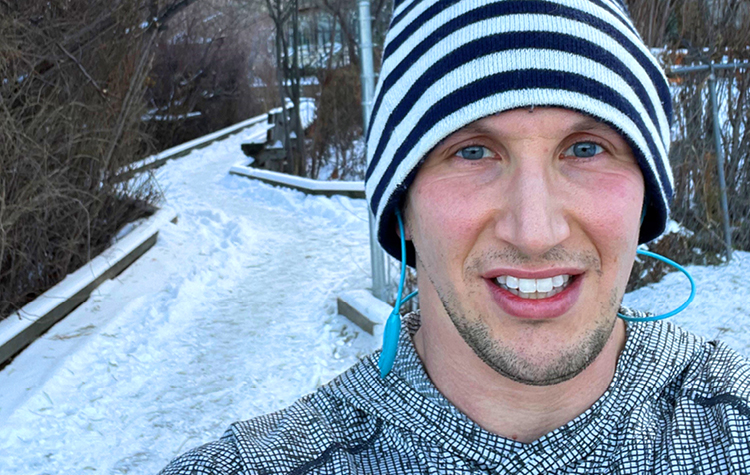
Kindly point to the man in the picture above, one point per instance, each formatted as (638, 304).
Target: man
(525, 144)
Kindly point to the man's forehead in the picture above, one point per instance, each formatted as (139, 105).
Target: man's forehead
(575, 122)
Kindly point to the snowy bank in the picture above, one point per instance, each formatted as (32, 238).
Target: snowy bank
(230, 315)
(38, 316)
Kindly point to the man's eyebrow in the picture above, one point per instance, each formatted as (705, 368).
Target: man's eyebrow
(586, 123)
(590, 123)
(474, 128)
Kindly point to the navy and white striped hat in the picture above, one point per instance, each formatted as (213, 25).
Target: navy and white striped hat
(448, 63)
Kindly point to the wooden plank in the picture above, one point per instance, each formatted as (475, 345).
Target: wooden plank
(198, 143)
(364, 310)
(46, 321)
(18, 334)
(319, 187)
(188, 147)
(356, 317)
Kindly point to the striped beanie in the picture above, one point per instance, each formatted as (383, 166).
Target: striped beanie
(448, 63)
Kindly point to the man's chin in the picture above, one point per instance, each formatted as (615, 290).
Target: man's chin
(537, 376)
(545, 368)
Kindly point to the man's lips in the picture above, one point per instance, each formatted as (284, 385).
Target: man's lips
(554, 293)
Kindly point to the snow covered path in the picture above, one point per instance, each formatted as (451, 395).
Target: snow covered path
(230, 315)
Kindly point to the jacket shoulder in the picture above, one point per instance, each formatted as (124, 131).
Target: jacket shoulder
(721, 370)
(319, 429)
(715, 403)
(216, 458)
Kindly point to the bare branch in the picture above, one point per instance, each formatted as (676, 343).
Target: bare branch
(83, 70)
(170, 11)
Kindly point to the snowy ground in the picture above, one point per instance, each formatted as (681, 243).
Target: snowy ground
(720, 311)
(231, 315)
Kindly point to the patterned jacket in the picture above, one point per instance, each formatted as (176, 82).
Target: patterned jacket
(677, 405)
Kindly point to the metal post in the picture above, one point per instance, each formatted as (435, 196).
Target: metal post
(377, 258)
(365, 48)
(720, 163)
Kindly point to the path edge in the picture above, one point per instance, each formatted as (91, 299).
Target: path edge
(23, 327)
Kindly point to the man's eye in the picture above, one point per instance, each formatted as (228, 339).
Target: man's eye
(584, 150)
(474, 152)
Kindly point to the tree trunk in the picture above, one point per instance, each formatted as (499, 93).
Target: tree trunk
(280, 69)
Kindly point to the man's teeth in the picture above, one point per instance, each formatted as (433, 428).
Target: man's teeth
(534, 288)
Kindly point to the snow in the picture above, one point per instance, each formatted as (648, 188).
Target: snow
(170, 117)
(304, 81)
(78, 280)
(229, 316)
(211, 17)
(300, 182)
(258, 82)
(254, 121)
(307, 115)
(720, 309)
(356, 160)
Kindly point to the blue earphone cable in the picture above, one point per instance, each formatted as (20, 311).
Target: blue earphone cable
(409, 297)
(393, 324)
(678, 309)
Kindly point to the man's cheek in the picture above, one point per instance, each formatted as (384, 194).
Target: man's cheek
(446, 214)
(611, 211)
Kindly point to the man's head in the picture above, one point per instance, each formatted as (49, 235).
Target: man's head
(449, 63)
(527, 143)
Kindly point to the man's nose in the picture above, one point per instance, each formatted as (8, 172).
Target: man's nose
(533, 217)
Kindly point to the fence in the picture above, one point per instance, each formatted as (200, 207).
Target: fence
(718, 143)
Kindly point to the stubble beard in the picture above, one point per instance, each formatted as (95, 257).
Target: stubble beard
(508, 362)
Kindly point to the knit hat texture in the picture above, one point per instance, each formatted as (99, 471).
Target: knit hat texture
(449, 63)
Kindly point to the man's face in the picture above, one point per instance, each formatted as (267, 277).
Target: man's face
(525, 225)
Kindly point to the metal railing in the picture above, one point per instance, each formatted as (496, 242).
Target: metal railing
(712, 67)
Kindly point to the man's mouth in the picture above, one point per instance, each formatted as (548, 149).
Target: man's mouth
(534, 289)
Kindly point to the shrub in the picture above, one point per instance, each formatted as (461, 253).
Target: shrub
(71, 82)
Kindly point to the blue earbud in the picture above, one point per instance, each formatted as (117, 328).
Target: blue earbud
(671, 263)
(393, 324)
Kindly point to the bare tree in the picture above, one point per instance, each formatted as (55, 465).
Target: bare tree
(71, 82)
(285, 14)
(688, 32)
(202, 77)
